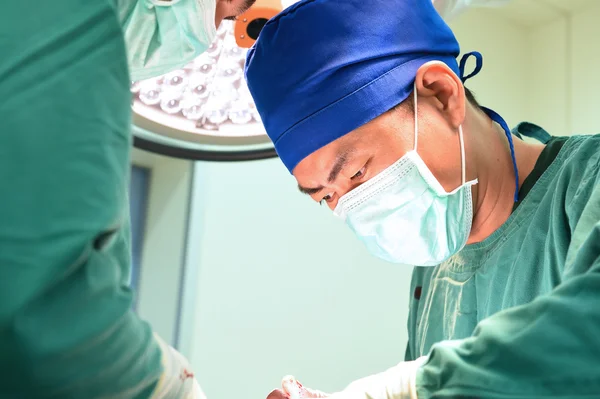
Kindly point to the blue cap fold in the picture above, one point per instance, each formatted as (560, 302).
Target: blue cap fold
(322, 68)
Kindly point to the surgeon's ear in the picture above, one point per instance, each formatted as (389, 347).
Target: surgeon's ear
(436, 81)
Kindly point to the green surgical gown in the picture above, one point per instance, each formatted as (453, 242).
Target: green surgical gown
(66, 325)
(518, 314)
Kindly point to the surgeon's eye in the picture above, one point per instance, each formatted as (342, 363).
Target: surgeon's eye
(359, 174)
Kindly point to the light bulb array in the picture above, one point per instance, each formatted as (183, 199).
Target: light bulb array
(210, 90)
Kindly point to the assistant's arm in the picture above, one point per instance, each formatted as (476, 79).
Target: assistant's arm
(66, 325)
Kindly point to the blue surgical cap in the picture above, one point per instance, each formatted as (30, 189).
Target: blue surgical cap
(322, 68)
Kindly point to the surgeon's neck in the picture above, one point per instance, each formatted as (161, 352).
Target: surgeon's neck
(489, 153)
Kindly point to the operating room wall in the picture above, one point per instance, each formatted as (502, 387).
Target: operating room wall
(564, 85)
(283, 287)
(166, 213)
(505, 49)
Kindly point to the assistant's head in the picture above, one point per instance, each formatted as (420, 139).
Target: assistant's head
(165, 35)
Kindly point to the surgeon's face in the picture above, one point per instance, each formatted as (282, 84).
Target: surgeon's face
(230, 9)
(334, 170)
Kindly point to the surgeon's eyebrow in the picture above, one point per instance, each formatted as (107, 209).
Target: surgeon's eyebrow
(340, 161)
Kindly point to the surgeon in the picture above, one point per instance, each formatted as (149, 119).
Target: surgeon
(366, 105)
(67, 329)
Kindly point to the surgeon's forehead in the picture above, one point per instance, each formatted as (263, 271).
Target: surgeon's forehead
(326, 163)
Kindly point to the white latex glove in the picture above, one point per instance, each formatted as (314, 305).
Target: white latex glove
(294, 390)
(177, 380)
(449, 9)
(397, 382)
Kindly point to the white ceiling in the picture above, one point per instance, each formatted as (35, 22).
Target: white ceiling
(531, 13)
(528, 13)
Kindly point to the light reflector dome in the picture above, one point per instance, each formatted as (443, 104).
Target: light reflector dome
(203, 111)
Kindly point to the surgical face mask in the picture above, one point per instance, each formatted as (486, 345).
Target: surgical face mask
(165, 35)
(404, 215)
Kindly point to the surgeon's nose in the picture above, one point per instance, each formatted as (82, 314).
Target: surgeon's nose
(341, 188)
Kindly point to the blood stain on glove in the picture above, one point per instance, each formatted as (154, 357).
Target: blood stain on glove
(294, 390)
(185, 374)
(292, 387)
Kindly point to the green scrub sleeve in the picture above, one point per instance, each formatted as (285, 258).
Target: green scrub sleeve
(547, 348)
(66, 325)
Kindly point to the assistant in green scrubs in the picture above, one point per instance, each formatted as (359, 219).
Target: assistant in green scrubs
(517, 315)
(66, 325)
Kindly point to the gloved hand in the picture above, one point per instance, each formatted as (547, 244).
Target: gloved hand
(177, 380)
(292, 389)
(449, 9)
(397, 382)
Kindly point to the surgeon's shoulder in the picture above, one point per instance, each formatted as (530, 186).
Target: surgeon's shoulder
(582, 168)
(583, 208)
(579, 182)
